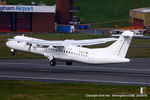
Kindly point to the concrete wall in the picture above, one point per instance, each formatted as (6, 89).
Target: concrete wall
(147, 19)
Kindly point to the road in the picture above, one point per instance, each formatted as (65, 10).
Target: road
(137, 72)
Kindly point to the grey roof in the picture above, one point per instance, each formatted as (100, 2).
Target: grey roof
(144, 10)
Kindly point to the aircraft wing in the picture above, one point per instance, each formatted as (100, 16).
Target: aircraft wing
(90, 41)
(46, 43)
(39, 42)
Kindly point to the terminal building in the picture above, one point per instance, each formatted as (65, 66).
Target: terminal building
(140, 17)
(32, 18)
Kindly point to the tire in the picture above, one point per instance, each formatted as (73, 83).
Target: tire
(52, 63)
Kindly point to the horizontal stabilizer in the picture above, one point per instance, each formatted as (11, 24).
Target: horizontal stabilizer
(127, 34)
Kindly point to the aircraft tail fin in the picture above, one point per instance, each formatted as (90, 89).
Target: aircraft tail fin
(120, 47)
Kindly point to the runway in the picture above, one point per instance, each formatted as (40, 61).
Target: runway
(137, 72)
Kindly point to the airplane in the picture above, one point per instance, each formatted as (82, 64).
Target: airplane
(74, 50)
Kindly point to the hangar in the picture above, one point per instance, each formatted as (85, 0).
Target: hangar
(26, 18)
(140, 17)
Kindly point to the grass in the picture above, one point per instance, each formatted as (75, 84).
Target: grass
(140, 42)
(27, 90)
(138, 52)
(107, 13)
(63, 36)
(134, 52)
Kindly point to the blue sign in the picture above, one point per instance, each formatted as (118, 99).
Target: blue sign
(16, 8)
(24, 9)
(6, 8)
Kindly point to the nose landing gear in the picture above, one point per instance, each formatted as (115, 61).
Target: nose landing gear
(12, 52)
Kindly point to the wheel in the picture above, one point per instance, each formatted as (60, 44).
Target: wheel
(52, 63)
(69, 63)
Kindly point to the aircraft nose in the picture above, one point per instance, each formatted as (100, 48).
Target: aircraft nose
(7, 43)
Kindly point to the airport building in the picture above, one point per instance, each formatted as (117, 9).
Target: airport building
(27, 18)
(140, 17)
(32, 18)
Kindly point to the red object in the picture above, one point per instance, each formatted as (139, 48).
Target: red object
(5, 30)
(23, 30)
(27, 22)
(43, 22)
(138, 22)
(23, 22)
(62, 11)
(5, 21)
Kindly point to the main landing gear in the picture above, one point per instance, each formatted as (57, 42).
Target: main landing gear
(52, 62)
(69, 63)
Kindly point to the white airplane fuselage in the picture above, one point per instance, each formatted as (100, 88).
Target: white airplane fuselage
(68, 53)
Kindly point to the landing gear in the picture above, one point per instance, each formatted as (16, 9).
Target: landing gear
(69, 63)
(12, 52)
(52, 63)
